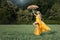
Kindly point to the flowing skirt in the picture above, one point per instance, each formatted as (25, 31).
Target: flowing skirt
(42, 27)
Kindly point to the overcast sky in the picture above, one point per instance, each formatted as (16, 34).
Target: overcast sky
(22, 2)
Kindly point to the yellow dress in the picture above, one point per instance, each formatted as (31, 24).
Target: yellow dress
(41, 27)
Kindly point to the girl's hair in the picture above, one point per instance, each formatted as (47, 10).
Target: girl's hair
(38, 12)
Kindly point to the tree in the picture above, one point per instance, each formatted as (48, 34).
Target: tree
(7, 12)
(55, 12)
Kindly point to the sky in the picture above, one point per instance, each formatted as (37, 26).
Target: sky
(21, 3)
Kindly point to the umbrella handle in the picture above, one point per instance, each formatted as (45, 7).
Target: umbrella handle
(33, 11)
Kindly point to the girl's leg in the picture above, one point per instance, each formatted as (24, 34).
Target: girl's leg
(35, 24)
(37, 29)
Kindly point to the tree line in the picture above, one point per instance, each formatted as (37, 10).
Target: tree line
(13, 14)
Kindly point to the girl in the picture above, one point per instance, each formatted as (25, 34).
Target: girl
(40, 26)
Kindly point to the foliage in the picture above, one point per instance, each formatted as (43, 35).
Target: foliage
(12, 14)
(24, 17)
(7, 13)
(55, 11)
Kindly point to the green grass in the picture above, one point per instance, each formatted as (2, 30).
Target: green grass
(25, 32)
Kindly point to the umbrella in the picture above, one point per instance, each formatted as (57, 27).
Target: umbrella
(32, 7)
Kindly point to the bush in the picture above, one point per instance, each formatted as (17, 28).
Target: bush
(24, 17)
(51, 22)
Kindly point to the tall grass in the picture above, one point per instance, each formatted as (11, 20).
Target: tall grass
(25, 32)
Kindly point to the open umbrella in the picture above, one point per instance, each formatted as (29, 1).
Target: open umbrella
(32, 7)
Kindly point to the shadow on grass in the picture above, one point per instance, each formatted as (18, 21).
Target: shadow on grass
(52, 32)
(49, 33)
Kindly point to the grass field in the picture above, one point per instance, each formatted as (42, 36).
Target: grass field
(25, 32)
